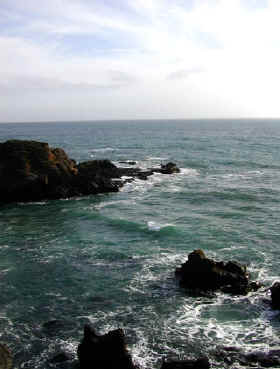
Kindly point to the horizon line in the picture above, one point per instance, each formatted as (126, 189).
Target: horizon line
(134, 120)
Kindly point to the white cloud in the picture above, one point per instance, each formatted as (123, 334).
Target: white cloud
(155, 58)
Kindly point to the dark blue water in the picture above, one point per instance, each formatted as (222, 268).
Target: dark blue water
(110, 259)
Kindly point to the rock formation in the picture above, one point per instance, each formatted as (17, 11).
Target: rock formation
(202, 273)
(32, 171)
(104, 352)
(275, 295)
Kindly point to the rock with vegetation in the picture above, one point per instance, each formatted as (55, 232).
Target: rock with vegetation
(204, 274)
(33, 171)
(104, 352)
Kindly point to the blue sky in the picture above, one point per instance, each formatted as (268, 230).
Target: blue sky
(138, 59)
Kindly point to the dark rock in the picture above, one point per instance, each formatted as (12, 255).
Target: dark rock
(33, 171)
(104, 352)
(275, 295)
(128, 162)
(168, 168)
(61, 357)
(265, 359)
(231, 355)
(200, 272)
(201, 363)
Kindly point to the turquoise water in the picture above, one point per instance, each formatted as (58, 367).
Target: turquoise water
(110, 259)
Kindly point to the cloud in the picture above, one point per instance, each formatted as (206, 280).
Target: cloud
(184, 73)
(29, 84)
(223, 54)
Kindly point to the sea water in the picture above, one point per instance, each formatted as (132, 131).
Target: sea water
(109, 259)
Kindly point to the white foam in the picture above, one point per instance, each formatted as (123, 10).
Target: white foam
(113, 203)
(188, 172)
(242, 176)
(151, 158)
(33, 203)
(154, 226)
(104, 149)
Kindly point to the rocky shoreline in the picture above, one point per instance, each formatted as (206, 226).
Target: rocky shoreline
(33, 171)
(202, 275)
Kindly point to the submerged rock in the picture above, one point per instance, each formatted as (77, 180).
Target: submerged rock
(33, 171)
(202, 273)
(61, 357)
(104, 352)
(169, 168)
(234, 355)
(201, 363)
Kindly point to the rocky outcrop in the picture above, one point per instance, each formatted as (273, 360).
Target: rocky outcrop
(32, 171)
(202, 273)
(104, 352)
(275, 295)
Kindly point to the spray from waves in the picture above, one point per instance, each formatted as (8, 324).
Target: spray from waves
(188, 172)
(104, 149)
(116, 203)
(155, 226)
(167, 183)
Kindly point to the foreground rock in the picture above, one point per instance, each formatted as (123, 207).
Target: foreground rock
(104, 352)
(275, 295)
(32, 171)
(202, 273)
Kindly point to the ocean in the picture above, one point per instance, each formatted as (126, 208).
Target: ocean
(109, 259)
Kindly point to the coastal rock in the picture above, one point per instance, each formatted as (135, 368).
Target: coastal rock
(201, 363)
(33, 171)
(202, 273)
(168, 168)
(128, 162)
(104, 352)
(275, 295)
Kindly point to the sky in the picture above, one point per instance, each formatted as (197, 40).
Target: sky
(139, 59)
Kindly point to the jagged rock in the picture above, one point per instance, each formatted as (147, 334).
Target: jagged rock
(202, 273)
(201, 363)
(104, 352)
(169, 168)
(275, 295)
(32, 171)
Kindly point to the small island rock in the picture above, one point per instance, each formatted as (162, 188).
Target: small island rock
(202, 273)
